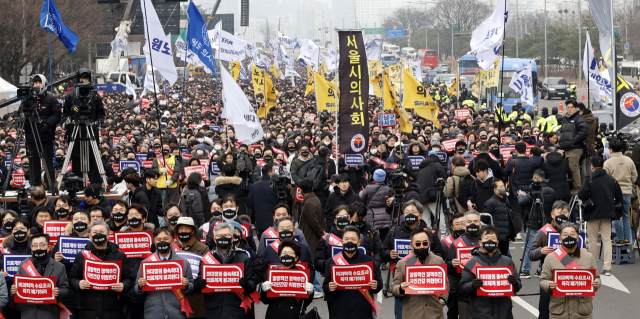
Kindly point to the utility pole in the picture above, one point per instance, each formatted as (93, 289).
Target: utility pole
(546, 62)
(517, 25)
(580, 45)
(452, 58)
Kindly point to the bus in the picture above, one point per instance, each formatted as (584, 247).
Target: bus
(259, 45)
(388, 59)
(630, 72)
(509, 97)
(429, 58)
(467, 61)
(389, 48)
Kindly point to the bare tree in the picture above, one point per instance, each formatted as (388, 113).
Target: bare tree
(467, 14)
(267, 31)
(408, 18)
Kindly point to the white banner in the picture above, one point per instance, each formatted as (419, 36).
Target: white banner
(331, 58)
(416, 70)
(228, 47)
(118, 45)
(486, 39)
(290, 71)
(239, 112)
(287, 42)
(158, 45)
(373, 47)
(521, 83)
(130, 89)
(597, 82)
(265, 60)
(309, 53)
(149, 84)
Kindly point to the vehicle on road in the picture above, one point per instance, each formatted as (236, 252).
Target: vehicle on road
(443, 77)
(429, 75)
(630, 72)
(470, 71)
(429, 58)
(508, 96)
(553, 87)
(409, 52)
(388, 59)
(390, 48)
(466, 62)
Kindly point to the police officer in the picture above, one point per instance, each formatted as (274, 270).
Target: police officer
(572, 91)
(97, 112)
(501, 115)
(48, 112)
(551, 120)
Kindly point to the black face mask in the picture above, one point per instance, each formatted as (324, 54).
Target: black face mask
(223, 242)
(569, 242)
(8, 226)
(292, 149)
(305, 154)
(184, 237)
(350, 247)
(59, 158)
(99, 239)
(118, 217)
(62, 212)
(20, 235)
(25, 165)
(157, 146)
(359, 223)
(490, 245)
(163, 247)
(165, 152)
(287, 260)
(427, 132)
(473, 229)
(483, 137)
(268, 158)
(39, 254)
(216, 213)
(561, 219)
(285, 234)
(80, 227)
(411, 219)
(135, 222)
(229, 213)
(342, 222)
(257, 155)
(445, 135)
(495, 149)
(421, 252)
(173, 220)
(458, 233)
(526, 136)
(236, 239)
(460, 151)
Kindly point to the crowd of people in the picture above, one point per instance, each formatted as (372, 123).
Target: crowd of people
(449, 183)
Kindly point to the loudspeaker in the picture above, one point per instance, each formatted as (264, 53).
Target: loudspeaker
(244, 13)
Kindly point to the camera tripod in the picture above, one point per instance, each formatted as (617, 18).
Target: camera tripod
(395, 218)
(537, 213)
(27, 114)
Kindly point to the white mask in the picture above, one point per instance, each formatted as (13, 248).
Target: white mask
(327, 143)
(201, 140)
(280, 140)
(267, 135)
(199, 152)
(201, 183)
(374, 151)
(217, 147)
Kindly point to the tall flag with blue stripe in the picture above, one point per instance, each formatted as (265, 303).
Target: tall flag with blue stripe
(198, 37)
(51, 20)
(486, 39)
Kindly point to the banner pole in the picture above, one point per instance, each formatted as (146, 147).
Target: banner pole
(184, 76)
(335, 94)
(50, 62)
(614, 75)
(504, 29)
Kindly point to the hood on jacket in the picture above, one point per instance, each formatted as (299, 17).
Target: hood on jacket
(6, 241)
(555, 158)
(461, 171)
(145, 226)
(235, 180)
(589, 117)
(427, 161)
(423, 148)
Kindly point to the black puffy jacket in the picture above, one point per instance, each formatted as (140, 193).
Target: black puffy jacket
(573, 133)
(430, 169)
(503, 218)
(604, 192)
(336, 199)
(556, 170)
(481, 192)
(370, 239)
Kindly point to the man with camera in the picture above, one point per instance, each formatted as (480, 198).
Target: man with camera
(431, 169)
(82, 102)
(46, 113)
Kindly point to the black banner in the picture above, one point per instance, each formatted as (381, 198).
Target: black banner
(353, 121)
(628, 104)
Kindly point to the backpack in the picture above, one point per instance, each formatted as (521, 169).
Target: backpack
(315, 173)
(464, 190)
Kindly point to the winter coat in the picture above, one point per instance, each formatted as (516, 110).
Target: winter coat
(410, 192)
(350, 304)
(299, 168)
(195, 211)
(481, 192)
(164, 304)
(336, 199)
(452, 190)
(487, 307)
(635, 157)
(452, 273)
(233, 185)
(540, 241)
(375, 198)
(405, 162)
(50, 311)
(48, 203)
(574, 131)
(500, 209)
(284, 307)
(591, 133)
(139, 196)
(262, 198)
(418, 306)
(623, 170)
(556, 169)
(423, 148)
(14, 247)
(262, 245)
(312, 221)
(569, 307)
(520, 170)
(403, 231)
(604, 191)
(467, 156)
(356, 176)
(270, 256)
(430, 169)
(494, 165)
(526, 202)
(105, 304)
(155, 203)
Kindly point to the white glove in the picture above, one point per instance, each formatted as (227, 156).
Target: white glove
(266, 286)
(169, 183)
(308, 287)
(164, 170)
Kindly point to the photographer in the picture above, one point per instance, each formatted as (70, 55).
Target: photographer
(191, 201)
(399, 157)
(459, 185)
(73, 104)
(47, 116)
(342, 195)
(262, 199)
(430, 170)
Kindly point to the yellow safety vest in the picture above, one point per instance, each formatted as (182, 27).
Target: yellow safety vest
(171, 162)
(551, 122)
(501, 114)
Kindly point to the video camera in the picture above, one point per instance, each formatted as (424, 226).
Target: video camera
(281, 185)
(30, 96)
(23, 197)
(189, 199)
(72, 184)
(536, 189)
(439, 184)
(396, 179)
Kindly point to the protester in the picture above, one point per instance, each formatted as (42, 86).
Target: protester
(572, 134)
(499, 207)
(262, 198)
(624, 171)
(279, 211)
(343, 194)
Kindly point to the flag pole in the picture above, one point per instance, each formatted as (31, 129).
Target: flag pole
(588, 76)
(50, 62)
(504, 29)
(335, 94)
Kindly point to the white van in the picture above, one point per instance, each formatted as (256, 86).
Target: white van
(390, 48)
(409, 52)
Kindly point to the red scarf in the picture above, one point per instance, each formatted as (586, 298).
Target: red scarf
(271, 233)
(546, 229)
(164, 164)
(333, 240)
(208, 259)
(186, 307)
(448, 241)
(340, 260)
(275, 245)
(30, 269)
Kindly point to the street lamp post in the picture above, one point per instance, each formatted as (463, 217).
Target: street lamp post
(426, 27)
(546, 62)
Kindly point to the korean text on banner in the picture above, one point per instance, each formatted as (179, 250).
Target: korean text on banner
(222, 278)
(352, 277)
(134, 244)
(464, 255)
(102, 275)
(162, 275)
(35, 290)
(494, 281)
(426, 279)
(288, 283)
(574, 282)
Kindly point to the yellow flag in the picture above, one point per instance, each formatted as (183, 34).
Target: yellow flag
(395, 76)
(374, 70)
(310, 84)
(390, 101)
(490, 79)
(235, 70)
(326, 94)
(257, 75)
(270, 100)
(274, 70)
(324, 67)
(377, 84)
(417, 98)
(475, 86)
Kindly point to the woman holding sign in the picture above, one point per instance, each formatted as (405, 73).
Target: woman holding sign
(571, 298)
(18, 243)
(286, 307)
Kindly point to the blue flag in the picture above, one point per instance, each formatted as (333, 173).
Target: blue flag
(198, 37)
(51, 20)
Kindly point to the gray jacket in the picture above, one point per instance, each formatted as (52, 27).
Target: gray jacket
(52, 311)
(375, 198)
(299, 169)
(164, 304)
(196, 209)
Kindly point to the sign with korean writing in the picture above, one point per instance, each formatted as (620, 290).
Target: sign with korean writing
(102, 275)
(55, 228)
(449, 145)
(395, 33)
(144, 103)
(222, 278)
(200, 169)
(70, 246)
(10, 264)
(115, 167)
(134, 244)
(353, 117)
(353, 159)
(402, 246)
(338, 249)
(495, 281)
(146, 164)
(141, 157)
(205, 162)
(126, 164)
(464, 255)
(245, 230)
(162, 275)
(299, 196)
(425, 279)
(18, 179)
(416, 160)
(348, 277)
(574, 282)
(553, 240)
(442, 156)
(462, 114)
(215, 169)
(288, 282)
(34, 290)
(193, 260)
(387, 120)
(506, 152)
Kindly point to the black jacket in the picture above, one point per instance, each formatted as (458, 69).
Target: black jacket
(101, 304)
(403, 231)
(155, 204)
(526, 202)
(270, 256)
(404, 162)
(556, 170)
(236, 186)
(452, 272)
(521, 175)
(356, 176)
(573, 133)
(494, 166)
(411, 192)
(262, 198)
(139, 196)
(350, 304)
(97, 113)
(284, 307)
(604, 192)
(368, 235)
(481, 192)
(487, 307)
(336, 199)
(503, 219)
(430, 169)
(330, 170)
(50, 112)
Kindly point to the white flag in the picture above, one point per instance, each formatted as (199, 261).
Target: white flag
(597, 82)
(265, 60)
(287, 42)
(290, 71)
(118, 45)
(158, 46)
(228, 47)
(149, 83)
(331, 58)
(373, 49)
(239, 112)
(416, 69)
(130, 89)
(486, 39)
(309, 53)
(521, 83)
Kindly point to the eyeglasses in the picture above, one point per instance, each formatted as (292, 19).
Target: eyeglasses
(138, 215)
(423, 244)
(172, 214)
(42, 245)
(225, 236)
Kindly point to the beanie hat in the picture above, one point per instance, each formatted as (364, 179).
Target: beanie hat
(379, 176)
